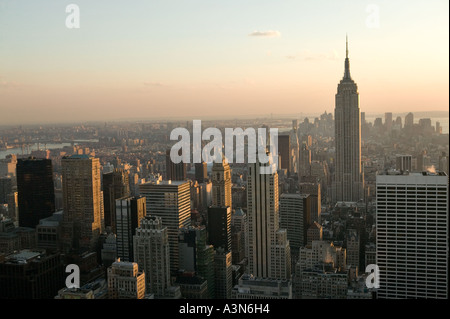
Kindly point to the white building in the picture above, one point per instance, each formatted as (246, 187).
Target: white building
(412, 235)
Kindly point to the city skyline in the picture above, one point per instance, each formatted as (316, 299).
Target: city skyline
(153, 60)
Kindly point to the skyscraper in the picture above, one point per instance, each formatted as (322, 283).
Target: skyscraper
(116, 185)
(151, 252)
(174, 171)
(129, 212)
(284, 149)
(201, 172)
(268, 250)
(412, 235)
(348, 182)
(219, 227)
(409, 120)
(221, 184)
(169, 200)
(295, 218)
(82, 218)
(36, 192)
(196, 256)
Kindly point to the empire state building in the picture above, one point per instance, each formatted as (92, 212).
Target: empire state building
(348, 184)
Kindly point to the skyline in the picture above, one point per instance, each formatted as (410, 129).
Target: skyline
(160, 59)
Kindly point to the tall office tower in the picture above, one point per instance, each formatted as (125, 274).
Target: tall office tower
(196, 256)
(174, 171)
(314, 191)
(295, 218)
(284, 149)
(268, 252)
(438, 127)
(125, 281)
(115, 185)
(404, 163)
(223, 273)
(129, 212)
(294, 148)
(412, 235)
(305, 161)
(169, 200)
(152, 253)
(363, 118)
(8, 166)
(219, 227)
(35, 190)
(31, 274)
(5, 189)
(201, 172)
(238, 228)
(353, 245)
(221, 184)
(409, 120)
(348, 182)
(388, 121)
(398, 122)
(82, 219)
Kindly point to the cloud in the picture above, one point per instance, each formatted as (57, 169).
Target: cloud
(268, 34)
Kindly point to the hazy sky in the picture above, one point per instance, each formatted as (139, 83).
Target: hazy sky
(144, 58)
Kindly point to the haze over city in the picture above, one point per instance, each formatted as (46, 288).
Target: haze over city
(201, 58)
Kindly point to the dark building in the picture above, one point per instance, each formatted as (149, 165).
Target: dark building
(201, 172)
(129, 212)
(115, 185)
(35, 191)
(5, 189)
(284, 147)
(174, 172)
(31, 274)
(219, 227)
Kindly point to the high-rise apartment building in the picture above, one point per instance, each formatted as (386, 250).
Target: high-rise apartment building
(412, 235)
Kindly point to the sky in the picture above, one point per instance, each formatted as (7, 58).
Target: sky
(145, 59)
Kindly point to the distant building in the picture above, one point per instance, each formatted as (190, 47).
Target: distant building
(192, 286)
(404, 163)
(223, 273)
(48, 232)
(174, 171)
(201, 172)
